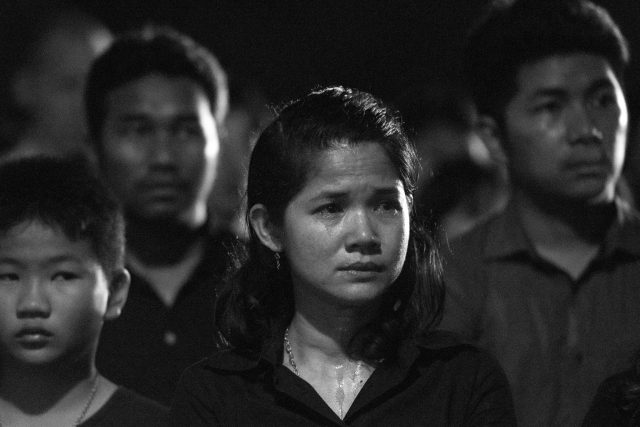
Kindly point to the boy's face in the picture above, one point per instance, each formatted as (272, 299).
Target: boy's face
(159, 148)
(565, 128)
(54, 296)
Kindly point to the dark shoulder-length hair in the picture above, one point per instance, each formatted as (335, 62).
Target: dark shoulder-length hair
(257, 300)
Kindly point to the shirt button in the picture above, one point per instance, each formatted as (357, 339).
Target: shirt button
(170, 338)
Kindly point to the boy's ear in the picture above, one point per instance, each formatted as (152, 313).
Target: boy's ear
(488, 130)
(118, 291)
(265, 229)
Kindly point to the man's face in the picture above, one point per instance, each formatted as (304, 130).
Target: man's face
(565, 128)
(159, 148)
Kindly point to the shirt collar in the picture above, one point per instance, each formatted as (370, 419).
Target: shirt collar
(506, 236)
(230, 360)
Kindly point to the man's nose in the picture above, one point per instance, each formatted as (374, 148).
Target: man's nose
(582, 126)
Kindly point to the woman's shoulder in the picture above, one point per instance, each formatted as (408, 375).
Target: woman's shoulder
(450, 353)
(226, 360)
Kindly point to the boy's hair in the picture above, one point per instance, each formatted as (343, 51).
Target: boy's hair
(517, 32)
(153, 50)
(63, 194)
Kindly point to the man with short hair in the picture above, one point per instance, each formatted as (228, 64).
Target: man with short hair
(154, 102)
(550, 284)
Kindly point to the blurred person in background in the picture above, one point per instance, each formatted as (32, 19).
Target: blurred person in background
(48, 47)
(248, 115)
(461, 182)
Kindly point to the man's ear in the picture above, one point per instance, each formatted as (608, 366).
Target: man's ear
(118, 291)
(488, 130)
(265, 229)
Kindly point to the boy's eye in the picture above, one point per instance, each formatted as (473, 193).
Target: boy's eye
(64, 276)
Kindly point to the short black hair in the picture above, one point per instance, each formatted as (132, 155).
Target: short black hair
(153, 50)
(517, 32)
(64, 194)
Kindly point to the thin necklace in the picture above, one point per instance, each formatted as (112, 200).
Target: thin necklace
(87, 405)
(94, 389)
(357, 380)
(287, 347)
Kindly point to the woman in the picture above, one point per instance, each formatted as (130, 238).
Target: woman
(327, 318)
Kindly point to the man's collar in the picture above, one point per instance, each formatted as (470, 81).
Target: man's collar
(506, 236)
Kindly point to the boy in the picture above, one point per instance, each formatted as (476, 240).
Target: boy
(550, 284)
(61, 277)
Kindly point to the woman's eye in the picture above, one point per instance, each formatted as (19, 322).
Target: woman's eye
(329, 209)
(389, 206)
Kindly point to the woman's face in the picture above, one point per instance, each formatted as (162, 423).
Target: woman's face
(345, 234)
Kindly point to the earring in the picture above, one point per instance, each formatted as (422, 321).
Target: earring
(397, 305)
(276, 255)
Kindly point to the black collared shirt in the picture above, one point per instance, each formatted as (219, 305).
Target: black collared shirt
(149, 345)
(435, 381)
(556, 338)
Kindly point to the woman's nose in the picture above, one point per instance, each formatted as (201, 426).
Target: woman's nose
(362, 235)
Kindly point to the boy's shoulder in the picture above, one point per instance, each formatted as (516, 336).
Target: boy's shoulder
(127, 408)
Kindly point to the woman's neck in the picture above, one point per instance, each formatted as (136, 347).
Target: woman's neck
(316, 350)
(324, 332)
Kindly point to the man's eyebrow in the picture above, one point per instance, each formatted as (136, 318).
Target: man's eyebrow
(603, 83)
(551, 92)
(132, 117)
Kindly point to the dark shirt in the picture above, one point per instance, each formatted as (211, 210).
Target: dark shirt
(149, 345)
(126, 408)
(617, 402)
(556, 338)
(435, 381)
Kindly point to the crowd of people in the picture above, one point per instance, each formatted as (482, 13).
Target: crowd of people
(463, 255)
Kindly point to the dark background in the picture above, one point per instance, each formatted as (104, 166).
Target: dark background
(287, 47)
